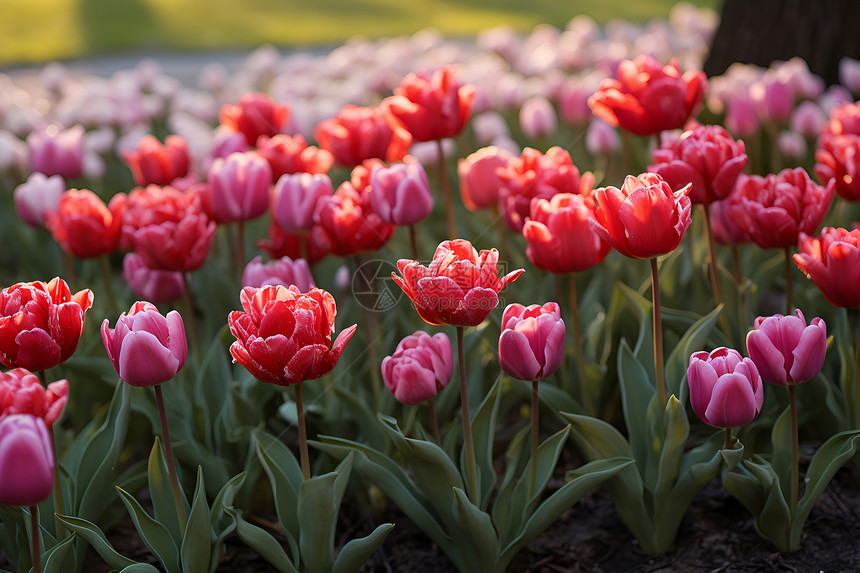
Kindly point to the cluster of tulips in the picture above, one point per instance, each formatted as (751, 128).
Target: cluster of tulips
(618, 370)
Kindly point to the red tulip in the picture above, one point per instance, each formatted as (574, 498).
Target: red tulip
(725, 388)
(155, 163)
(647, 97)
(40, 324)
(838, 160)
(350, 223)
(257, 114)
(774, 210)
(421, 366)
(832, 261)
(283, 336)
(707, 158)
(22, 393)
(84, 226)
(479, 179)
(432, 105)
(537, 175)
(313, 246)
(531, 346)
(844, 120)
(644, 219)
(289, 154)
(560, 238)
(359, 133)
(459, 288)
(26, 460)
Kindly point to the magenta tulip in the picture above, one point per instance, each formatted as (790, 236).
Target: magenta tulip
(400, 194)
(531, 346)
(725, 388)
(421, 366)
(294, 200)
(284, 271)
(238, 187)
(785, 350)
(26, 460)
(154, 285)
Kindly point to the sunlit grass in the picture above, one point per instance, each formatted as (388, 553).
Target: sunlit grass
(39, 30)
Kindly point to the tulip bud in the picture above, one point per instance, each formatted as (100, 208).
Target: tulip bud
(400, 194)
(37, 197)
(154, 285)
(294, 200)
(284, 271)
(725, 388)
(26, 460)
(421, 366)
(238, 187)
(601, 138)
(531, 346)
(55, 151)
(785, 350)
(538, 117)
(479, 180)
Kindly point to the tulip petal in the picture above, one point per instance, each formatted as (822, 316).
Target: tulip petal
(143, 361)
(732, 403)
(809, 352)
(516, 356)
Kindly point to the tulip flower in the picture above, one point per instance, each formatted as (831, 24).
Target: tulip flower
(538, 118)
(647, 97)
(84, 226)
(40, 324)
(359, 133)
(537, 175)
(432, 106)
(350, 222)
(832, 261)
(288, 154)
(283, 271)
(145, 347)
(460, 287)
(149, 284)
(22, 393)
(313, 246)
(238, 188)
(844, 120)
(785, 350)
(37, 197)
(707, 159)
(725, 388)
(479, 179)
(724, 223)
(421, 366)
(400, 194)
(56, 151)
(531, 346)
(26, 461)
(294, 200)
(601, 138)
(838, 159)
(154, 163)
(644, 219)
(560, 239)
(255, 115)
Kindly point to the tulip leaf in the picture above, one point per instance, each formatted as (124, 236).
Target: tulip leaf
(484, 432)
(263, 543)
(693, 340)
(196, 548)
(153, 534)
(831, 456)
(161, 492)
(579, 482)
(285, 478)
(847, 367)
(318, 509)
(755, 484)
(637, 392)
(139, 568)
(97, 466)
(677, 430)
(503, 512)
(92, 534)
(475, 533)
(782, 459)
(54, 558)
(218, 516)
(356, 552)
(364, 417)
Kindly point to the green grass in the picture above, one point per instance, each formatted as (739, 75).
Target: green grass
(40, 30)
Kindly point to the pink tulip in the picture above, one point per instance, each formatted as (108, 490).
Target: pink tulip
(400, 194)
(238, 187)
(284, 271)
(421, 366)
(849, 74)
(531, 346)
(537, 117)
(725, 388)
(26, 460)
(807, 119)
(55, 151)
(146, 348)
(22, 393)
(154, 285)
(37, 197)
(601, 138)
(785, 350)
(294, 200)
(479, 179)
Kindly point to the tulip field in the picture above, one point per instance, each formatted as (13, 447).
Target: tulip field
(411, 304)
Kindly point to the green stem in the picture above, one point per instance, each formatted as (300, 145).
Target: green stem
(434, 422)
(171, 464)
(303, 436)
(446, 192)
(370, 329)
(35, 539)
(413, 242)
(787, 281)
(728, 438)
(658, 336)
(739, 281)
(535, 430)
(192, 320)
(471, 468)
(57, 491)
(104, 267)
(795, 456)
(715, 277)
(577, 347)
(240, 246)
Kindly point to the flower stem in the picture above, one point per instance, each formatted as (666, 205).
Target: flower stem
(365, 301)
(446, 191)
(413, 242)
(303, 436)
(795, 456)
(715, 277)
(787, 281)
(104, 267)
(471, 469)
(728, 438)
(658, 335)
(577, 347)
(240, 246)
(434, 423)
(35, 538)
(535, 430)
(739, 280)
(171, 465)
(57, 490)
(192, 321)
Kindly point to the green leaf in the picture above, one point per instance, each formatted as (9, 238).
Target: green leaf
(503, 513)
(677, 431)
(225, 498)
(755, 484)
(92, 534)
(475, 534)
(197, 540)
(364, 416)
(53, 559)
(263, 543)
(782, 458)
(285, 477)
(161, 492)
(484, 433)
(356, 552)
(692, 341)
(637, 392)
(154, 535)
(139, 568)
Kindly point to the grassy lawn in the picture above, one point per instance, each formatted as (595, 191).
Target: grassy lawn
(40, 30)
